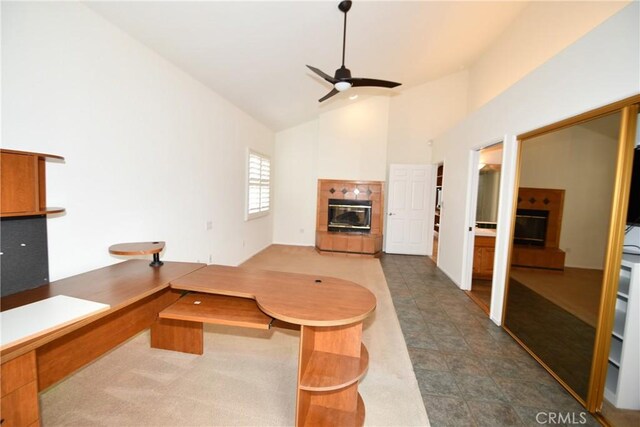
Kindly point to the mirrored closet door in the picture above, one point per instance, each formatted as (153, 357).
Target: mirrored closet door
(566, 263)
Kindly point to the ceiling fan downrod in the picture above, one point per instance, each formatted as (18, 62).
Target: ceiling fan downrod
(344, 6)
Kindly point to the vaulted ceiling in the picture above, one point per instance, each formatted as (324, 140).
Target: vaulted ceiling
(254, 53)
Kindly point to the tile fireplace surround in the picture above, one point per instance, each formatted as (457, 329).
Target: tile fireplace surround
(368, 243)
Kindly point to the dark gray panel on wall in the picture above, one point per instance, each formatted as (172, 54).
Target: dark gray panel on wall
(24, 263)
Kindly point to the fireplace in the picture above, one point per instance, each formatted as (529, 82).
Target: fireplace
(530, 227)
(349, 215)
(538, 225)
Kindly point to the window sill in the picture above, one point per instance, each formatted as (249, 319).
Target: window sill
(249, 217)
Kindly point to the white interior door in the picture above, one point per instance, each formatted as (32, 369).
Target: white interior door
(409, 209)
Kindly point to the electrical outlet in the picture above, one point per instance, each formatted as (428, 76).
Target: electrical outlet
(210, 259)
(302, 231)
(209, 225)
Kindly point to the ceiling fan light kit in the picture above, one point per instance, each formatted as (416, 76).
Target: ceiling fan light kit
(342, 79)
(342, 86)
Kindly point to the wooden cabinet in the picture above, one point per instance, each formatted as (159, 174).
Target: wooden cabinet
(355, 243)
(20, 391)
(537, 257)
(483, 255)
(24, 184)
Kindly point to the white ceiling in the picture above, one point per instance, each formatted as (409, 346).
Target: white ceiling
(254, 53)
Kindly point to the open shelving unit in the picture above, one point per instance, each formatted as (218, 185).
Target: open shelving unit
(23, 220)
(24, 183)
(622, 386)
(436, 220)
(332, 361)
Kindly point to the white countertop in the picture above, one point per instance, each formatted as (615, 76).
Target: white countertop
(485, 232)
(29, 321)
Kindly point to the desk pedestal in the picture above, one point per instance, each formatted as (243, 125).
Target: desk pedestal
(332, 361)
(332, 358)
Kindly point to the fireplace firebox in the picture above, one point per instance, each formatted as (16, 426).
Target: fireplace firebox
(349, 216)
(530, 227)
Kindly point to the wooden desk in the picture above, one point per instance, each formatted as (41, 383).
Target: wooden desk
(135, 293)
(329, 311)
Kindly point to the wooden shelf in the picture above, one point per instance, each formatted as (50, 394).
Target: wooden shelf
(618, 324)
(324, 416)
(136, 248)
(24, 184)
(217, 309)
(331, 371)
(31, 153)
(43, 211)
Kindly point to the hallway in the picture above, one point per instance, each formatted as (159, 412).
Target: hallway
(470, 371)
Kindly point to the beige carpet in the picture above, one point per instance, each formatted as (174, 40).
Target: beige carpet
(576, 290)
(245, 377)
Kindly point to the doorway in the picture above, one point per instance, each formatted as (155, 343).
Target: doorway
(485, 214)
(408, 209)
(436, 215)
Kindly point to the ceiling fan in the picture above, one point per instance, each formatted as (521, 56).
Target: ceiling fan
(342, 79)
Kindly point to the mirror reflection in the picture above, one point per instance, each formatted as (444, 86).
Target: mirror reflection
(566, 181)
(488, 192)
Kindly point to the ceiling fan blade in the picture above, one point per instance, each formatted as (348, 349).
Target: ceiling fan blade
(322, 74)
(329, 95)
(360, 82)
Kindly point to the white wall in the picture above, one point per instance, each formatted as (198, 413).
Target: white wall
(295, 184)
(541, 31)
(151, 154)
(582, 162)
(358, 142)
(598, 69)
(352, 141)
(347, 143)
(418, 114)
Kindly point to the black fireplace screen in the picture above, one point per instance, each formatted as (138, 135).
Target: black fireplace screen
(349, 215)
(531, 227)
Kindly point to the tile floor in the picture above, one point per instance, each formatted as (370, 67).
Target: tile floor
(470, 371)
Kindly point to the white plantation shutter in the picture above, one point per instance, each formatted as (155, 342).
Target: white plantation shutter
(258, 201)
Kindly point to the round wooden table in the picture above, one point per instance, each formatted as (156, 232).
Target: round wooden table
(139, 248)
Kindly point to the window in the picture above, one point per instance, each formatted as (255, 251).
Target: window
(258, 185)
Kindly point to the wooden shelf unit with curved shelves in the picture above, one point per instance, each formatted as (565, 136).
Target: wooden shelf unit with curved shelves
(320, 415)
(332, 361)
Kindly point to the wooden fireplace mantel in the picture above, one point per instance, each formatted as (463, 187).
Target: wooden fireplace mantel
(350, 243)
(550, 256)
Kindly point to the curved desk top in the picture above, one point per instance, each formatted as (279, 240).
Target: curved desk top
(301, 299)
